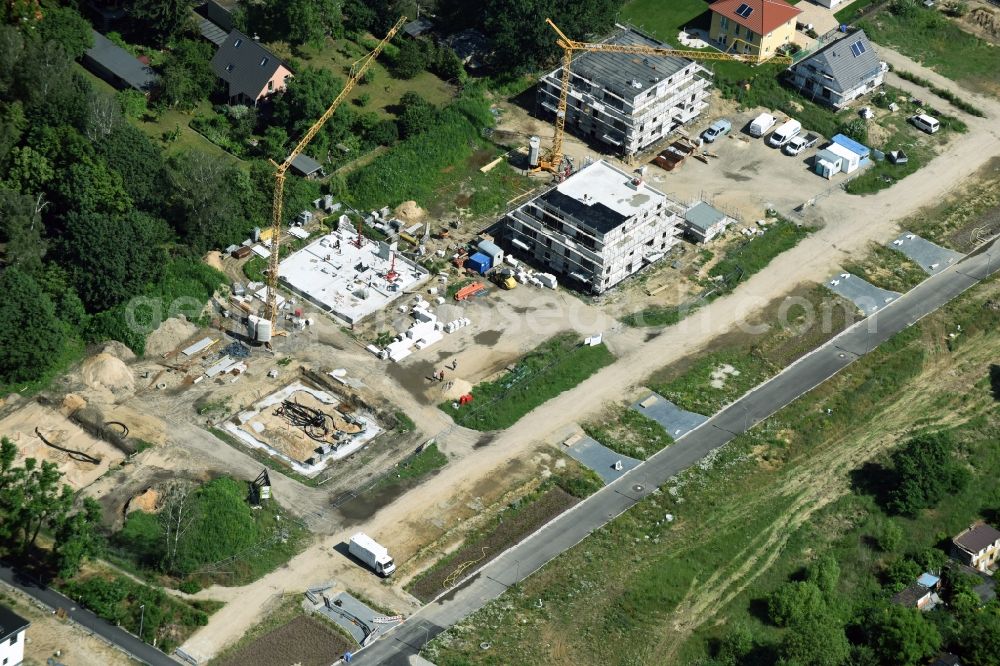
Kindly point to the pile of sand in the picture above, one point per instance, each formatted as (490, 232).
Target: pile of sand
(71, 403)
(148, 501)
(141, 425)
(118, 350)
(410, 212)
(214, 259)
(105, 371)
(169, 336)
(453, 389)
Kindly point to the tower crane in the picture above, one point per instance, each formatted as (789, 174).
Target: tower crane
(553, 161)
(357, 71)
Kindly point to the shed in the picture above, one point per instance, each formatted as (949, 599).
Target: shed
(417, 28)
(491, 250)
(478, 262)
(306, 166)
(117, 66)
(928, 580)
(704, 222)
(833, 159)
(862, 151)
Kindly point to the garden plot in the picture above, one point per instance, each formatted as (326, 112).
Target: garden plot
(930, 257)
(601, 459)
(862, 293)
(357, 618)
(303, 641)
(304, 426)
(676, 421)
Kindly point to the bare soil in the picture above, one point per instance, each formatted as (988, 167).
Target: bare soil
(304, 641)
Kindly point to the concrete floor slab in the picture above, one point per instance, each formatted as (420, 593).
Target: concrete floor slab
(676, 421)
(355, 617)
(930, 257)
(600, 458)
(862, 293)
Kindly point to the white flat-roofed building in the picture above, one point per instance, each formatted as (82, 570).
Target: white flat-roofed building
(628, 102)
(596, 228)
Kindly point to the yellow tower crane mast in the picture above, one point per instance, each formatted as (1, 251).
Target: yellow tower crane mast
(553, 160)
(357, 71)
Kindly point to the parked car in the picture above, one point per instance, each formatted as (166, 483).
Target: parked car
(800, 143)
(760, 124)
(926, 123)
(719, 128)
(784, 134)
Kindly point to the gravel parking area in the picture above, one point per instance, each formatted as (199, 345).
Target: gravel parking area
(862, 293)
(600, 458)
(930, 257)
(676, 421)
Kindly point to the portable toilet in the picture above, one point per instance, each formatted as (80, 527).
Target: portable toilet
(478, 262)
(826, 163)
(491, 250)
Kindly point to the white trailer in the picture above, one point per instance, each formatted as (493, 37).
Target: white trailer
(374, 556)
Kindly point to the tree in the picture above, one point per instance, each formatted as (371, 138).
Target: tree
(187, 76)
(295, 21)
(901, 636)
(924, 473)
(385, 133)
(980, 637)
(794, 602)
(90, 187)
(31, 336)
(112, 258)
(418, 115)
(166, 19)
(178, 515)
(272, 143)
(21, 231)
(51, 89)
(104, 115)
(66, 27)
(207, 198)
(304, 99)
(824, 573)
(127, 150)
(77, 538)
(28, 170)
(818, 640)
(411, 59)
(12, 126)
(889, 537)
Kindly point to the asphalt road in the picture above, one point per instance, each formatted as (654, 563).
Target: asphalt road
(571, 527)
(126, 641)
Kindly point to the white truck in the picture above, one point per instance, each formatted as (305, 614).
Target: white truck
(785, 133)
(760, 124)
(375, 556)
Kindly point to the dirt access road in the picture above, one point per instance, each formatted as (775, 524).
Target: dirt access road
(850, 223)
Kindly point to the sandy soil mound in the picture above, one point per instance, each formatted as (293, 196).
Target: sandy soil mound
(72, 402)
(213, 259)
(148, 501)
(453, 389)
(409, 211)
(118, 350)
(169, 336)
(105, 371)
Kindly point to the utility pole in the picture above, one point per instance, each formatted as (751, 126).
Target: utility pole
(142, 616)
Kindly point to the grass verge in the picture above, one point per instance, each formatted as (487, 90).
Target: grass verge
(555, 366)
(887, 269)
(626, 431)
(752, 256)
(428, 461)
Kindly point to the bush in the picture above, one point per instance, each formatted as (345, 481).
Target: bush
(190, 586)
(794, 602)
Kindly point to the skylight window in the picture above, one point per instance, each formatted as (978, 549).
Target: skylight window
(744, 10)
(858, 47)
(263, 61)
(229, 67)
(237, 43)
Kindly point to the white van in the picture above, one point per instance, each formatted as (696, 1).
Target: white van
(926, 123)
(760, 124)
(788, 131)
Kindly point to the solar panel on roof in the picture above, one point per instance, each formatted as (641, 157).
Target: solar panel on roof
(744, 10)
(857, 48)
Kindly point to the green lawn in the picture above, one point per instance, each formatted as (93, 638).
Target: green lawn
(663, 19)
(555, 366)
(888, 269)
(931, 39)
(852, 11)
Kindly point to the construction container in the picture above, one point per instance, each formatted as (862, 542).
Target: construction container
(491, 250)
(479, 263)
(242, 252)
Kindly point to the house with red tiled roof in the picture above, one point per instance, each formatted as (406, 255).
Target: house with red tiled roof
(758, 27)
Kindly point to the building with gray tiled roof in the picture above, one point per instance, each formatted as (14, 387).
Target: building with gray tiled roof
(841, 71)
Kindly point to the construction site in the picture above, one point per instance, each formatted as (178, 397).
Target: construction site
(381, 343)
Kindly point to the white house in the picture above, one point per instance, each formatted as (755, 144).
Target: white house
(978, 547)
(12, 628)
(840, 72)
